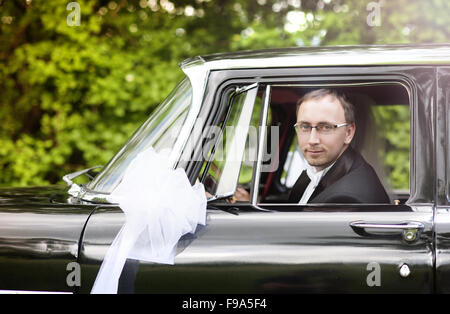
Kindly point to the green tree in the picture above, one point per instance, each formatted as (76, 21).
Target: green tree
(72, 95)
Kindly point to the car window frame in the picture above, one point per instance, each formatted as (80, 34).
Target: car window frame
(419, 79)
(254, 198)
(332, 85)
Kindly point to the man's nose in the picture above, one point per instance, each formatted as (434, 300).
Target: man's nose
(314, 137)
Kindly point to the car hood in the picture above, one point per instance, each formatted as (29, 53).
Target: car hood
(37, 195)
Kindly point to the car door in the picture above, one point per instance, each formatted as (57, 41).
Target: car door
(280, 248)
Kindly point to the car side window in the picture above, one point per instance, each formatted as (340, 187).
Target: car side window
(293, 166)
(393, 128)
(221, 169)
(381, 139)
(250, 154)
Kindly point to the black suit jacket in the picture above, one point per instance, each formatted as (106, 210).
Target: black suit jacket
(350, 180)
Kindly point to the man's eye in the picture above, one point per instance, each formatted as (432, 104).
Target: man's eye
(326, 127)
(305, 127)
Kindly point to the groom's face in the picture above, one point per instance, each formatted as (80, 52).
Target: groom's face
(319, 149)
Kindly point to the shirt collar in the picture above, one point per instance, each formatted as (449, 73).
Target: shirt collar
(315, 175)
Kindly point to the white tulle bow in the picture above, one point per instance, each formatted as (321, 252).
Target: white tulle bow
(160, 206)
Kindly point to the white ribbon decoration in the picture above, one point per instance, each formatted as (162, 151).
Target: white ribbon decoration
(160, 206)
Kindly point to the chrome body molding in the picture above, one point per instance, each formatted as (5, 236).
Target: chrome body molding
(331, 56)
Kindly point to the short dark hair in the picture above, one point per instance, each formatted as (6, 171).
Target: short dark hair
(349, 109)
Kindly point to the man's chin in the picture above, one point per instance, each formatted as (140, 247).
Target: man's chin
(315, 163)
(318, 164)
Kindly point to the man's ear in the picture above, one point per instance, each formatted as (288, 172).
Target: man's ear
(350, 133)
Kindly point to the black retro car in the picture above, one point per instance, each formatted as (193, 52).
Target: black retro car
(55, 238)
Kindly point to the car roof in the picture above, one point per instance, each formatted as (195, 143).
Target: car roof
(424, 54)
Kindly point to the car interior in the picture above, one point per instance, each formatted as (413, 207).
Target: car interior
(275, 185)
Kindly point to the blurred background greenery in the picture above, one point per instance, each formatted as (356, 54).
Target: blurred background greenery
(72, 95)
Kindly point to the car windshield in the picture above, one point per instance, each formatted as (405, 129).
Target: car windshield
(160, 131)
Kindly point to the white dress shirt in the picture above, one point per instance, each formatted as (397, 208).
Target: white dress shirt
(315, 177)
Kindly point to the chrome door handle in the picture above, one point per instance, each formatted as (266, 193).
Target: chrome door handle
(409, 229)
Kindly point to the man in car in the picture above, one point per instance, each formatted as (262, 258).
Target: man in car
(335, 172)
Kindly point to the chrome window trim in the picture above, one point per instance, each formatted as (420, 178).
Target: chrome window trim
(261, 143)
(197, 72)
(344, 84)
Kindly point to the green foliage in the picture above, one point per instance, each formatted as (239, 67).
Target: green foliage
(393, 126)
(72, 95)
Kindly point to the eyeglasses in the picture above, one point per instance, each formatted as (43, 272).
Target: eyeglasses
(321, 128)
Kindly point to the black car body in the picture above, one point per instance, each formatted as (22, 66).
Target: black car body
(264, 245)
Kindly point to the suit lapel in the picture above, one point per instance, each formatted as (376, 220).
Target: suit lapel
(319, 188)
(340, 168)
